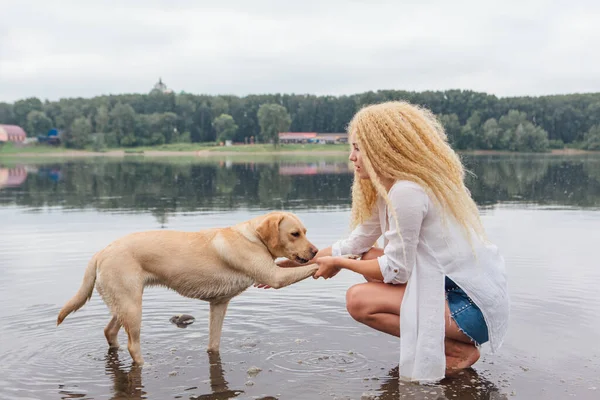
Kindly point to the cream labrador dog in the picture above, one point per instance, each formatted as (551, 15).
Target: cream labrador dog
(214, 265)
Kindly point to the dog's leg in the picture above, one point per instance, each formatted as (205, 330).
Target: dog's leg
(278, 277)
(133, 329)
(111, 333)
(130, 314)
(217, 314)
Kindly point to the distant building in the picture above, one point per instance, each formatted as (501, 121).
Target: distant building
(160, 87)
(12, 133)
(296, 137)
(331, 138)
(312, 137)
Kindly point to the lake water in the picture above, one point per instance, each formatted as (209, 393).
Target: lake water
(542, 211)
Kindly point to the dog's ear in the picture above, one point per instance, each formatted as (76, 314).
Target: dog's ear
(268, 230)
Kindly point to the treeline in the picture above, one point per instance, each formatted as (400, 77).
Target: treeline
(473, 120)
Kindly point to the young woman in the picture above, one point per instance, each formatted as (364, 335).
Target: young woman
(437, 283)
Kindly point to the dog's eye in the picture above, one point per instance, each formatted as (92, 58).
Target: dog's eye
(296, 234)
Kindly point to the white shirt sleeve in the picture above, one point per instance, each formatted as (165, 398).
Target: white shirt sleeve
(399, 255)
(362, 238)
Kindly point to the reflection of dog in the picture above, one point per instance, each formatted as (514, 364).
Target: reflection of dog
(129, 385)
(218, 384)
(213, 265)
(126, 385)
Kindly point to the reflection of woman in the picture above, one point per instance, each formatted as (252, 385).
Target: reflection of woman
(467, 385)
(437, 283)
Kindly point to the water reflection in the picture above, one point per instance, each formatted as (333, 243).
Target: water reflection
(163, 188)
(218, 384)
(126, 384)
(466, 386)
(12, 177)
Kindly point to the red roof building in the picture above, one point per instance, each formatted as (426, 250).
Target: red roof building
(313, 137)
(12, 133)
(296, 137)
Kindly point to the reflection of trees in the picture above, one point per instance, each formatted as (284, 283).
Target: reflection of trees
(541, 180)
(592, 170)
(166, 188)
(511, 177)
(226, 180)
(273, 189)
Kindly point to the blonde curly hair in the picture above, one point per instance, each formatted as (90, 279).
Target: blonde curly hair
(402, 141)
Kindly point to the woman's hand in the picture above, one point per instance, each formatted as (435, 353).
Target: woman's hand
(285, 263)
(328, 267)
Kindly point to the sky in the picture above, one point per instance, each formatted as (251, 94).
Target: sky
(64, 48)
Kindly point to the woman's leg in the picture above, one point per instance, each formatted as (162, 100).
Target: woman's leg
(378, 305)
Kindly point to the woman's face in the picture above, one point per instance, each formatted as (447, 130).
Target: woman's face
(356, 158)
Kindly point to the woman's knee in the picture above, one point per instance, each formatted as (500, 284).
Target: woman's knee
(356, 301)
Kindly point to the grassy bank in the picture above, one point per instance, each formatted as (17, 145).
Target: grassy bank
(12, 149)
(204, 150)
(269, 148)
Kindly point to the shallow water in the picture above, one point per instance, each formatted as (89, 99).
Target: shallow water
(543, 212)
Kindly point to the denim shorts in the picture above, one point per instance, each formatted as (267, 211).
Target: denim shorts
(466, 314)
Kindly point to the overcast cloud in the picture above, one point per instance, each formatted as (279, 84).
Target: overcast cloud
(64, 48)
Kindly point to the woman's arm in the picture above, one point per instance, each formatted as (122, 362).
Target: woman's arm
(330, 266)
(396, 262)
(372, 254)
(362, 238)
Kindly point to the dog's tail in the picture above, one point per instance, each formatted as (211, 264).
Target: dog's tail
(83, 294)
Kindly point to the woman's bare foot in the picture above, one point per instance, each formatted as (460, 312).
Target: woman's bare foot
(459, 356)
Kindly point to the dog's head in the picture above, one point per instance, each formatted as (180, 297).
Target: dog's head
(285, 236)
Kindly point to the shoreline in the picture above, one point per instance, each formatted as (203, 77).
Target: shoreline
(211, 153)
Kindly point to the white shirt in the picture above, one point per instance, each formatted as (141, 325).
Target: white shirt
(429, 250)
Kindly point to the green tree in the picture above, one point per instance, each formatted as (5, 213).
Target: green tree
(490, 134)
(78, 136)
(167, 126)
(123, 123)
(68, 114)
(452, 127)
(273, 119)
(508, 125)
(592, 138)
(102, 119)
(219, 105)
(7, 116)
(22, 108)
(185, 109)
(38, 123)
(531, 138)
(469, 132)
(225, 127)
